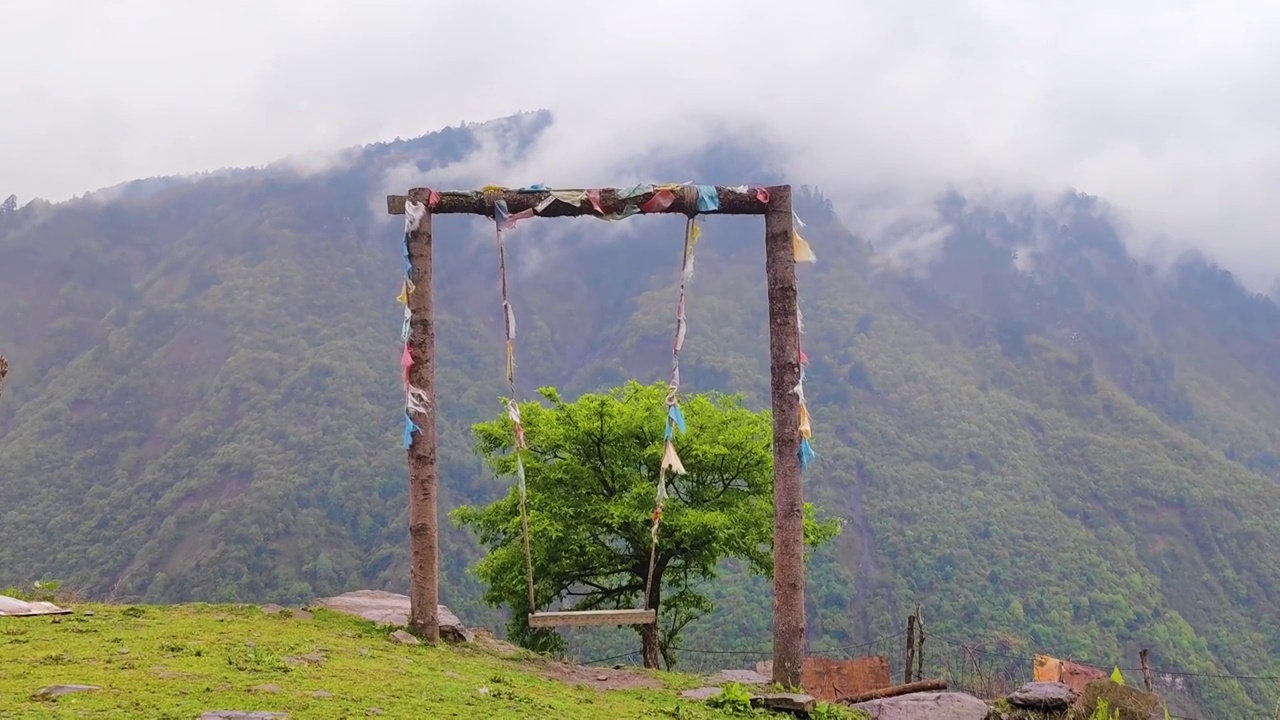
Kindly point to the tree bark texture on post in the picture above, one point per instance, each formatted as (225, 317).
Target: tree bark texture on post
(1144, 658)
(911, 650)
(788, 494)
(424, 553)
(649, 653)
(4, 370)
(919, 644)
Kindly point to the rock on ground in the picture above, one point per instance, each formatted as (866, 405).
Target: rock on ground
(1043, 696)
(403, 637)
(926, 706)
(785, 702)
(53, 691)
(1129, 703)
(701, 693)
(742, 677)
(392, 609)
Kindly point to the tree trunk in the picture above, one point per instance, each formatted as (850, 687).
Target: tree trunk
(649, 645)
(649, 633)
(4, 370)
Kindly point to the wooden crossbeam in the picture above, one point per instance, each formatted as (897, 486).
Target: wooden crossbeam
(476, 202)
(583, 618)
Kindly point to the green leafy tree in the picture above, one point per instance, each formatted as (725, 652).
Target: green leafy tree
(592, 472)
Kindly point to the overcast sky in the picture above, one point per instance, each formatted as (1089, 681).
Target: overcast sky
(1169, 109)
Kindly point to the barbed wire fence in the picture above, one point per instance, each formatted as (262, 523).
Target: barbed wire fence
(994, 667)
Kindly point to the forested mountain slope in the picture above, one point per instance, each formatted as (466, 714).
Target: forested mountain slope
(1032, 434)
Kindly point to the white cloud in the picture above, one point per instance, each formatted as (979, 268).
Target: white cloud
(1165, 108)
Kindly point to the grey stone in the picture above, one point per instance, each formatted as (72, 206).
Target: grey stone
(701, 694)
(403, 637)
(321, 694)
(1043, 696)
(392, 609)
(785, 702)
(265, 688)
(272, 609)
(242, 715)
(313, 659)
(53, 691)
(926, 706)
(742, 677)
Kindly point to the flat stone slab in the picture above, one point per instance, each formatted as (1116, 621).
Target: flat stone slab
(13, 607)
(926, 706)
(742, 677)
(53, 691)
(1043, 696)
(785, 702)
(391, 609)
(701, 694)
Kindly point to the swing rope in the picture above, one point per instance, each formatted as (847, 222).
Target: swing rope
(513, 408)
(675, 418)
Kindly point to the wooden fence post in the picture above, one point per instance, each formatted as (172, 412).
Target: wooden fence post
(919, 644)
(1146, 670)
(911, 649)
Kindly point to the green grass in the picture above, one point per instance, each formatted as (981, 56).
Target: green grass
(179, 661)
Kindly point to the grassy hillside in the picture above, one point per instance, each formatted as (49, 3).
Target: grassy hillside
(1032, 434)
(162, 662)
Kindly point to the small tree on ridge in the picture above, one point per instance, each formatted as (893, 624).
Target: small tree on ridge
(591, 471)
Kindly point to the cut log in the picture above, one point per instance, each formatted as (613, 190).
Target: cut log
(896, 690)
(582, 618)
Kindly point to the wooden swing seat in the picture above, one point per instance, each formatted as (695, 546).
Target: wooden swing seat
(584, 618)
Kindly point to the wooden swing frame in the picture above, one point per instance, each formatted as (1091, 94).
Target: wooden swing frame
(784, 371)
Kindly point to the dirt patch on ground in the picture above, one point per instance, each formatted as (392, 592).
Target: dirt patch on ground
(602, 678)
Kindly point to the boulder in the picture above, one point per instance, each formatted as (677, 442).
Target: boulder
(1043, 696)
(926, 706)
(785, 702)
(242, 715)
(742, 677)
(701, 693)
(1129, 703)
(392, 609)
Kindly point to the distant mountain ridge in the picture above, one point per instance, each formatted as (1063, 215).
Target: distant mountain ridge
(1033, 434)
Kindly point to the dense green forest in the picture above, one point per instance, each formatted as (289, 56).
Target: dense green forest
(1033, 435)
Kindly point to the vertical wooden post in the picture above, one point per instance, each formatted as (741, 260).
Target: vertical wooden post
(1145, 659)
(424, 557)
(788, 493)
(919, 644)
(4, 370)
(911, 649)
